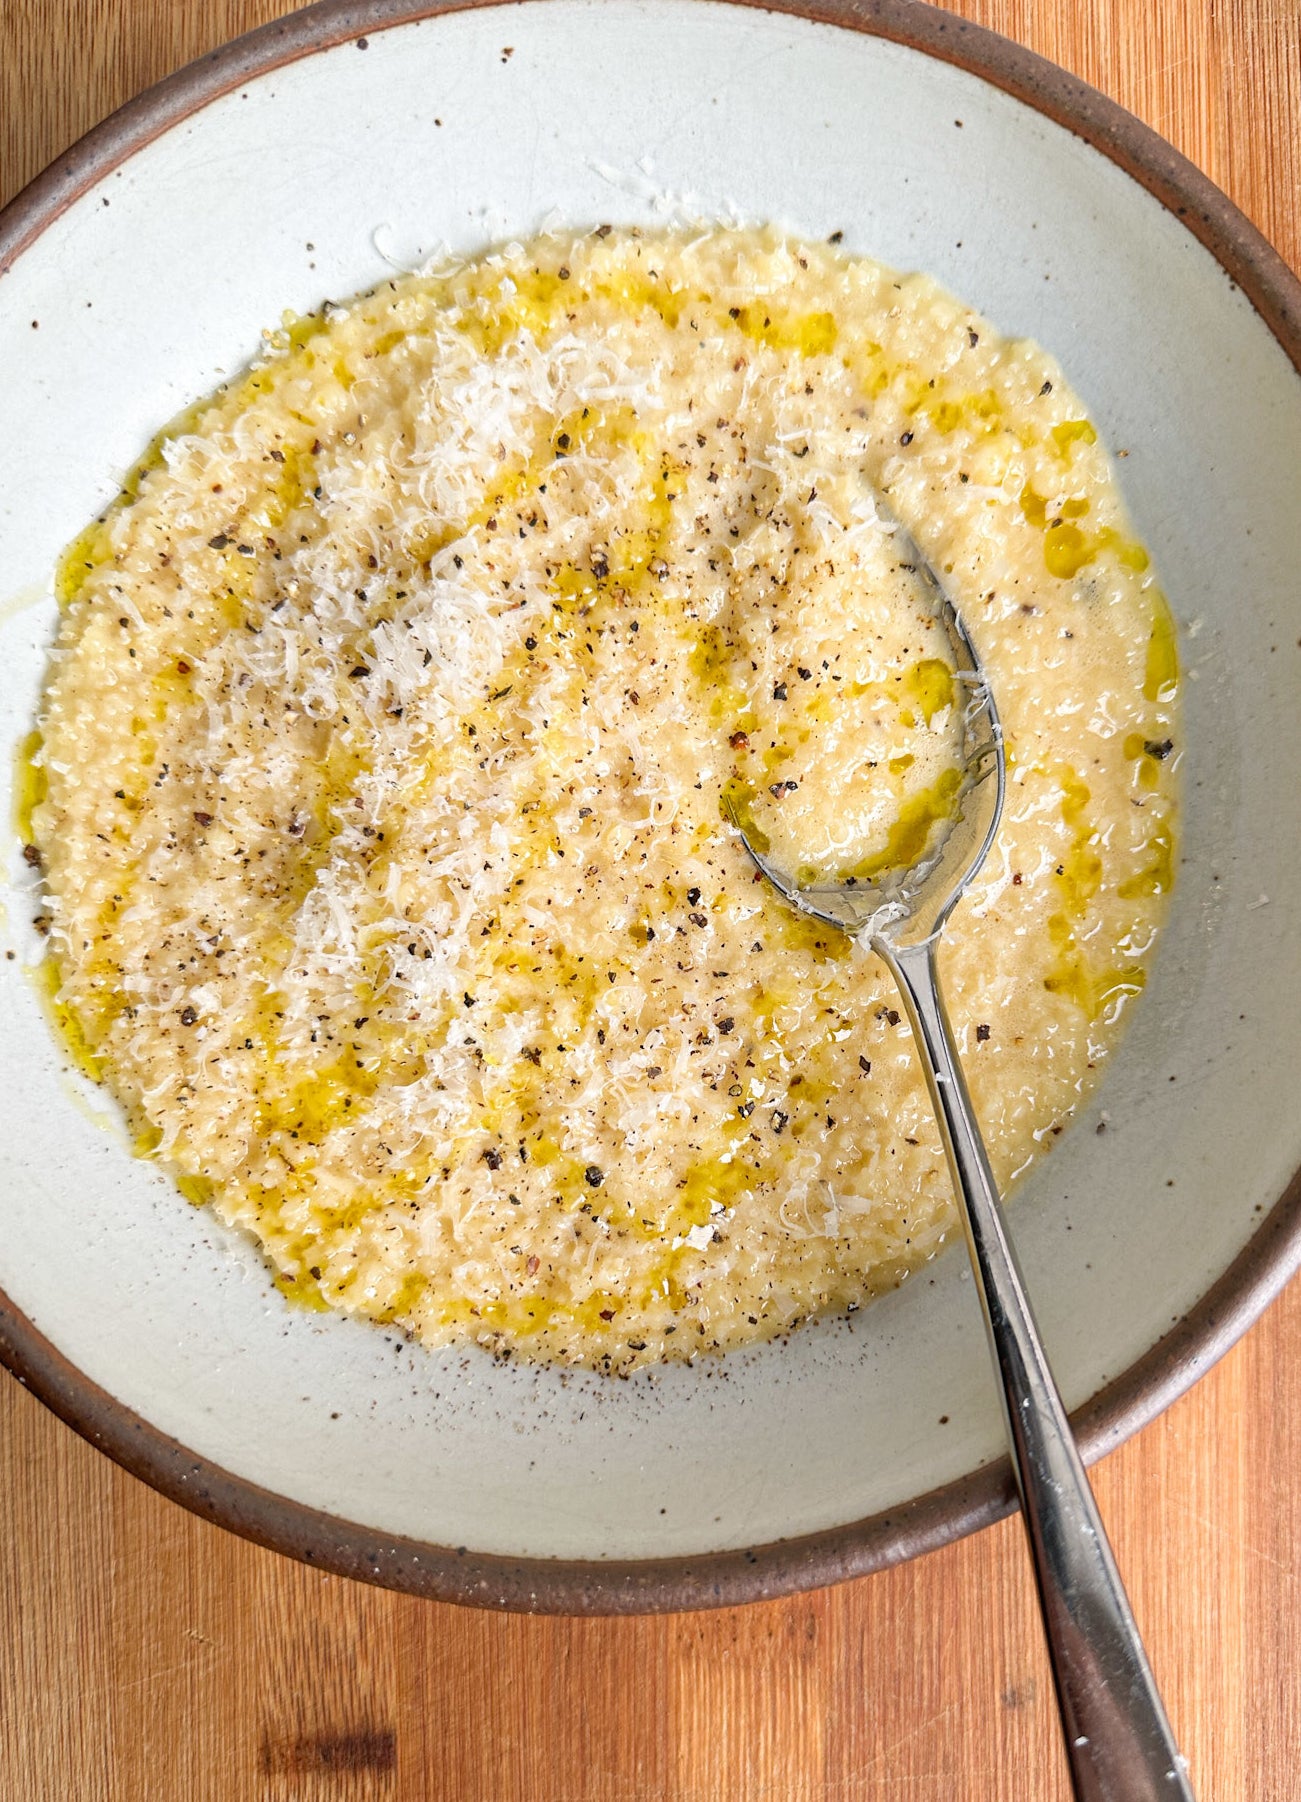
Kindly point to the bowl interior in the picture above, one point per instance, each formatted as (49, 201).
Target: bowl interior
(316, 179)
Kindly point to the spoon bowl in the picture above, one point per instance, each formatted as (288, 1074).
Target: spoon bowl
(909, 903)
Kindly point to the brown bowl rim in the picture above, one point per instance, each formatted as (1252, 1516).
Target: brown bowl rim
(567, 1586)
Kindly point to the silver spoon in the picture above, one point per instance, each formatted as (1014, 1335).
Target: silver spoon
(1118, 1741)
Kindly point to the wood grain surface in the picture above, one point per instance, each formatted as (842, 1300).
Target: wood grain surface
(148, 1657)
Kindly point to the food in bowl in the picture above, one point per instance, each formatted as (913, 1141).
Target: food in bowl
(398, 715)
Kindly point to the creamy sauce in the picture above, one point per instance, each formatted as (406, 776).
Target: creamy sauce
(388, 745)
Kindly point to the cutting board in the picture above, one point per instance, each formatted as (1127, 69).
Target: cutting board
(148, 1657)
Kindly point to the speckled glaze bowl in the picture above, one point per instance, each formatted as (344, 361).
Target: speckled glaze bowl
(307, 160)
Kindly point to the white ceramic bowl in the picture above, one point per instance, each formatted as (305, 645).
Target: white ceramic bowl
(304, 162)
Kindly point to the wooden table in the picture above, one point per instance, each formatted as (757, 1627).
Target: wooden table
(148, 1657)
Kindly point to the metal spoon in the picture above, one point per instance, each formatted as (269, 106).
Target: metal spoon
(1118, 1741)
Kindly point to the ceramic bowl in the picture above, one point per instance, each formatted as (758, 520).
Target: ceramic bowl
(307, 161)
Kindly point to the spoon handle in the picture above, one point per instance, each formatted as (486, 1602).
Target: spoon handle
(1118, 1741)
